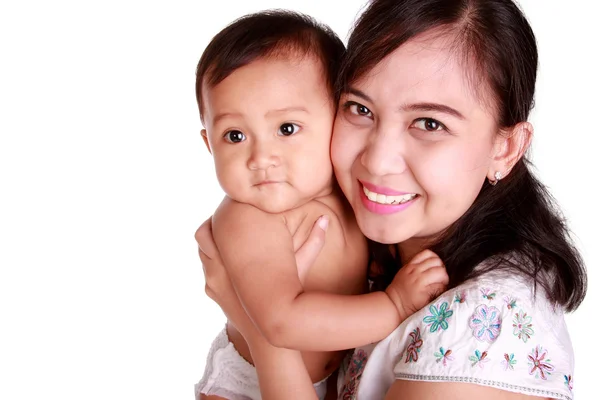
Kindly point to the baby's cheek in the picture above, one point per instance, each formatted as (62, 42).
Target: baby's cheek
(342, 157)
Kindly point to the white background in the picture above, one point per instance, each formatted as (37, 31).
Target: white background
(104, 179)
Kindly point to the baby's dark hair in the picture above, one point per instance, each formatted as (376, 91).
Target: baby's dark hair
(272, 33)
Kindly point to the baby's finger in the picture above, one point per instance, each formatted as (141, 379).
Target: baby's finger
(426, 264)
(433, 275)
(435, 291)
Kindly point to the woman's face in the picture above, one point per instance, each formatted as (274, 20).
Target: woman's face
(413, 142)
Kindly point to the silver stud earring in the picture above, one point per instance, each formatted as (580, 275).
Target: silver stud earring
(497, 177)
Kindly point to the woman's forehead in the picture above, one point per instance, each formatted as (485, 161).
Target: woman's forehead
(429, 67)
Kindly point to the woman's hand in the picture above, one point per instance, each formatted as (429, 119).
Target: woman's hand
(281, 372)
(218, 285)
(310, 249)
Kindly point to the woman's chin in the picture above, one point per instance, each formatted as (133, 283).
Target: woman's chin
(380, 234)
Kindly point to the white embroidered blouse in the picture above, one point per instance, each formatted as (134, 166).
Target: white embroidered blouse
(491, 331)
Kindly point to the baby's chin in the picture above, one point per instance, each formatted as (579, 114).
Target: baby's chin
(278, 205)
(279, 197)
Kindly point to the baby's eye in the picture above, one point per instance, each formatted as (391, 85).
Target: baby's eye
(288, 129)
(235, 136)
(429, 124)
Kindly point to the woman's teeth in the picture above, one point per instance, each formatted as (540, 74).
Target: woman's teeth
(383, 199)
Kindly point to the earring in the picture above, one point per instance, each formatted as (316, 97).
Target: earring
(497, 177)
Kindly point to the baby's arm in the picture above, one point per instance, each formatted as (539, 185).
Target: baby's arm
(257, 250)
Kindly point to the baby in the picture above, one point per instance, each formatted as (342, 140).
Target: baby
(265, 89)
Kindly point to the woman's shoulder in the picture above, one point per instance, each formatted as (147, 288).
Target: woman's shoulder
(496, 330)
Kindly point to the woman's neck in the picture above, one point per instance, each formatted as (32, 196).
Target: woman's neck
(411, 247)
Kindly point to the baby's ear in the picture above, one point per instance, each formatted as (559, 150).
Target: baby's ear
(205, 138)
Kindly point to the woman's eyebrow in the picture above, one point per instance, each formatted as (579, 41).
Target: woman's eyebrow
(413, 107)
(359, 93)
(432, 107)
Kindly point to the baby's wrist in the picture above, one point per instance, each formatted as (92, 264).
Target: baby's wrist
(396, 302)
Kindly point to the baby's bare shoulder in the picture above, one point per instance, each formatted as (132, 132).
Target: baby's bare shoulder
(342, 264)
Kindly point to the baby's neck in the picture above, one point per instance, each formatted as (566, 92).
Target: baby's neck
(327, 195)
(331, 192)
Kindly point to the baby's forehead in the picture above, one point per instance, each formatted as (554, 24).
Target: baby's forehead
(296, 62)
(221, 67)
(276, 82)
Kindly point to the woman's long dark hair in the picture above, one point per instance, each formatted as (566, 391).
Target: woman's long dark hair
(516, 224)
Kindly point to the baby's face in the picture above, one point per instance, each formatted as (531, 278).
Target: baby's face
(268, 126)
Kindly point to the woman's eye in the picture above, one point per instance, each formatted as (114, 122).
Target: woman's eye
(235, 136)
(288, 129)
(429, 124)
(359, 109)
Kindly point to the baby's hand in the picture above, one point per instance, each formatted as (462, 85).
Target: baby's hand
(414, 286)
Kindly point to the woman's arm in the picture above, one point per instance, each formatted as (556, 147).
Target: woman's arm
(489, 338)
(281, 373)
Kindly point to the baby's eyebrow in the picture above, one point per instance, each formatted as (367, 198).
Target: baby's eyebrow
(221, 116)
(286, 109)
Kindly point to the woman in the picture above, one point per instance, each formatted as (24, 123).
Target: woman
(435, 96)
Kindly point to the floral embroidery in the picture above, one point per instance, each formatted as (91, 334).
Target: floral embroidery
(509, 362)
(357, 363)
(523, 328)
(479, 358)
(438, 317)
(488, 294)
(486, 323)
(511, 303)
(349, 391)
(414, 347)
(540, 365)
(443, 356)
(460, 297)
(568, 382)
(355, 370)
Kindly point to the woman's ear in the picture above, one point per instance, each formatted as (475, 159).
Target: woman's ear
(510, 146)
(205, 138)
